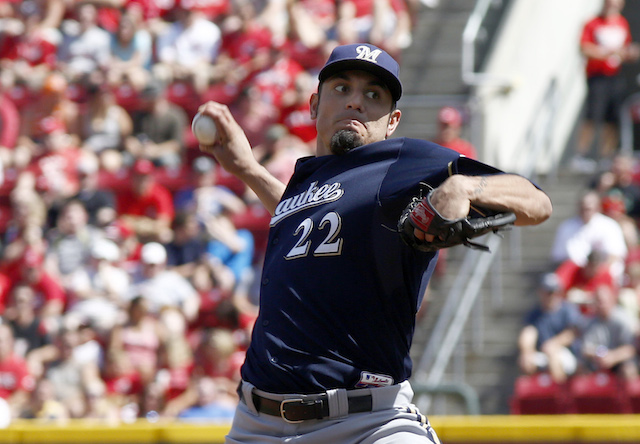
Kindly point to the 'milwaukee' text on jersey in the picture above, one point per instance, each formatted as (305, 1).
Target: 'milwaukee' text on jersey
(339, 288)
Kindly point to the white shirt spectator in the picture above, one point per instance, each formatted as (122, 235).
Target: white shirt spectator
(189, 45)
(576, 239)
(590, 231)
(162, 287)
(85, 47)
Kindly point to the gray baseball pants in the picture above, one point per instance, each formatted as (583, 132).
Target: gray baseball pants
(393, 420)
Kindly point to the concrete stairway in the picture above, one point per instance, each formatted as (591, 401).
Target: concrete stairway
(431, 65)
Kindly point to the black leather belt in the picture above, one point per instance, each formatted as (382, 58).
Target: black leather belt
(317, 407)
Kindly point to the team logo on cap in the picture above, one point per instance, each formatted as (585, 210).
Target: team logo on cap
(365, 53)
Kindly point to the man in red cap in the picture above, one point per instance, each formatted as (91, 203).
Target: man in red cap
(449, 129)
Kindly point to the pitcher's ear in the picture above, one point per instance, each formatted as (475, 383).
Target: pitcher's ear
(313, 105)
(394, 120)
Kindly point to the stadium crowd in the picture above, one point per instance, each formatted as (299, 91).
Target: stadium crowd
(584, 333)
(581, 344)
(128, 260)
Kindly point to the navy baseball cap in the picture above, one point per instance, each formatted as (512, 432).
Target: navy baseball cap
(365, 57)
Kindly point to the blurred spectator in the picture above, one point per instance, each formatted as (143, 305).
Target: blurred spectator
(323, 13)
(283, 154)
(27, 48)
(159, 128)
(89, 348)
(9, 128)
(449, 131)
(213, 10)
(15, 380)
(43, 404)
(70, 242)
(71, 378)
(99, 287)
(203, 196)
(214, 207)
(50, 110)
(254, 112)
(110, 11)
(233, 248)
(104, 125)
(54, 168)
(385, 23)
(148, 206)
(32, 341)
(588, 231)
(123, 383)
(139, 339)
(614, 207)
(246, 46)
(608, 338)
(629, 294)
(580, 283)
(99, 202)
(213, 404)
(187, 48)
(295, 114)
(85, 46)
(304, 35)
(217, 357)
(176, 358)
(152, 402)
(618, 180)
(548, 341)
(50, 295)
(131, 53)
(187, 250)
(161, 287)
(606, 44)
(27, 208)
(99, 406)
(215, 283)
(49, 11)
(28, 241)
(187, 255)
(125, 238)
(277, 79)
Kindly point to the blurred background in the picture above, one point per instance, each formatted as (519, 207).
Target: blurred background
(128, 261)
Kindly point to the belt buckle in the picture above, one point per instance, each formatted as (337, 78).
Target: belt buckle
(292, 402)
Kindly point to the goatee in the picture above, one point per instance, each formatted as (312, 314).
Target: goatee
(344, 141)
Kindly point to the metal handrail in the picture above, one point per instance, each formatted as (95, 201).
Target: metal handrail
(626, 123)
(469, 38)
(468, 395)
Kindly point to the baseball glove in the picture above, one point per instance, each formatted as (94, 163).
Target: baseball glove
(421, 214)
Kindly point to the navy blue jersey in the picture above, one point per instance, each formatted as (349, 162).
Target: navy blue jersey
(339, 289)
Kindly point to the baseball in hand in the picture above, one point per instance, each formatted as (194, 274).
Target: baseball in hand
(204, 128)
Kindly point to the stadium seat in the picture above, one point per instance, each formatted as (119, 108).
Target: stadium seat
(632, 389)
(599, 392)
(538, 394)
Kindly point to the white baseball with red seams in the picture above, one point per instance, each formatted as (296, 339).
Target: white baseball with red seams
(204, 128)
